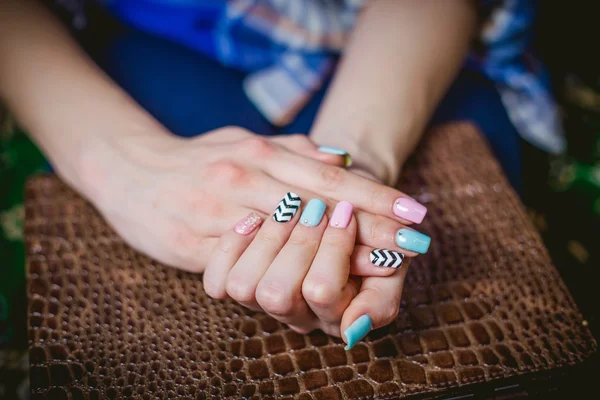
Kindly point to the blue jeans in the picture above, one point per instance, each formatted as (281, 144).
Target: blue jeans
(190, 94)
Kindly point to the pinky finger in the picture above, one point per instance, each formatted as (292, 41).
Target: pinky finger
(225, 254)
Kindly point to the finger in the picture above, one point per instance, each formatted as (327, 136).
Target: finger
(376, 305)
(247, 272)
(337, 183)
(368, 261)
(192, 253)
(383, 233)
(323, 287)
(218, 136)
(349, 292)
(304, 146)
(373, 230)
(279, 292)
(228, 250)
(259, 192)
(216, 218)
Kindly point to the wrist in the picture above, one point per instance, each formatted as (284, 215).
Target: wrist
(370, 152)
(383, 163)
(103, 163)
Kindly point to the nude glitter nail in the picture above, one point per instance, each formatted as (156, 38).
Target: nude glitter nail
(247, 225)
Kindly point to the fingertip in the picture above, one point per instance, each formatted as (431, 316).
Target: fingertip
(214, 289)
(357, 330)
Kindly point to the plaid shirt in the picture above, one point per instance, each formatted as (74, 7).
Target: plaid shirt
(289, 48)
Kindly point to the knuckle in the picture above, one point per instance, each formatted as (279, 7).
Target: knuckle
(182, 242)
(273, 300)
(390, 312)
(226, 244)
(303, 239)
(212, 290)
(303, 330)
(205, 204)
(240, 290)
(337, 241)
(379, 230)
(332, 177)
(227, 172)
(376, 197)
(331, 329)
(319, 292)
(258, 146)
(268, 237)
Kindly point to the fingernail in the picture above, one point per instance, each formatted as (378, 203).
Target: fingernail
(287, 207)
(386, 258)
(413, 240)
(358, 330)
(409, 209)
(337, 151)
(342, 214)
(247, 225)
(313, 213)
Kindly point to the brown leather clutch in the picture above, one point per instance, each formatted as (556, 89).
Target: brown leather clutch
(485, 304)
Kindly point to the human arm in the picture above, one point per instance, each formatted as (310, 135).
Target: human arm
(399, 62)
(168, 197)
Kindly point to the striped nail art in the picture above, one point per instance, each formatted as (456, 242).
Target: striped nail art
(287, 208)
(387, 258)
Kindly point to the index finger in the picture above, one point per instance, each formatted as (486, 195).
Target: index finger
(324, 285)
(337, 183)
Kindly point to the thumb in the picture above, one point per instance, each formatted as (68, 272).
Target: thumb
(376, 305)
(304, 146)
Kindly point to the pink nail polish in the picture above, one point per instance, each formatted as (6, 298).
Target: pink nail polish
(247, 225)
(341, 215)
(409, 209)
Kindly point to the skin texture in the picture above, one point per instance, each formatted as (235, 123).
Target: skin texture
(174, 198)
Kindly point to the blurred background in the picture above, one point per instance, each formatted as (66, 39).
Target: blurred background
(561, 193)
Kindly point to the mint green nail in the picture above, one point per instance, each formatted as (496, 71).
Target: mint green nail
(337, 151)
(313, 213)
(413, 240)
(358, 330)
(332, 150)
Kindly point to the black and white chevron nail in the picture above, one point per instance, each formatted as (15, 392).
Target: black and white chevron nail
(287, 207)
(387, 258)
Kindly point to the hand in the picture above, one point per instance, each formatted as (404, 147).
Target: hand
(299, 273)
(173, 198)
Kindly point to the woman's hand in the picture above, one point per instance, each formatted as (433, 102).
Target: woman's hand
(173, 198)
(297, 268)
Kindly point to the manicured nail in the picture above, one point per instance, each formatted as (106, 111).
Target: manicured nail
(337, 151)
(313, 213)
(413, 240)
(247, 225)
(409, 209)
(358, 330)
(387, 258)
(287, 207)
(342, 214)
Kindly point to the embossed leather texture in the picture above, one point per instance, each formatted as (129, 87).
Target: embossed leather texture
(484, 304)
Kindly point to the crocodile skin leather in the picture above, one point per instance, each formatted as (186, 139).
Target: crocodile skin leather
(485, 303)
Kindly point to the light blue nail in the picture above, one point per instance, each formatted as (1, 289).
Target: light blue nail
(413, 240)
(358, 330)
(313, 213)
(332, 150)
(337, 151)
